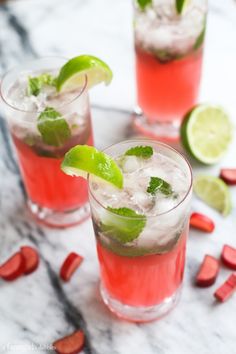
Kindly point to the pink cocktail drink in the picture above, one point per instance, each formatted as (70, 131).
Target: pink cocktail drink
(44, 126)
(169, 53)
(167, 90)
(45, 183)
(158, 275)
(142, 257)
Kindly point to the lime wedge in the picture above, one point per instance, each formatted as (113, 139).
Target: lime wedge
(84, 159)
(214, 192)
(71, 75)
(206, 133)
(181, 5)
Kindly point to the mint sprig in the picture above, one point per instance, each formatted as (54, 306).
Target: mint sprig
(125, 227)
(157, 184)
(53, 128)
(36, 83)
(140, 151)
(144, 3)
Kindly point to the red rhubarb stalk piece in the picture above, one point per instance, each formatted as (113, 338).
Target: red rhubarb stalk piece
(228, 175)
(228, 256)
(69, 266)
(31, 259)
(208, 271)
(201, 222)
(71, 344)
(13, 267)
(227, 289)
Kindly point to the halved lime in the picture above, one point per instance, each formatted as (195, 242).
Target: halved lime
(181, 5)
(206, 133)
(71, 75)
(84, 159)
(214, 192)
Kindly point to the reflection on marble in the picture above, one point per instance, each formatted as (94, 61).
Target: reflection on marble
(39, 308)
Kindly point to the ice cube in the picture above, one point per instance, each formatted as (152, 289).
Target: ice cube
(164, 204)
(130, 164)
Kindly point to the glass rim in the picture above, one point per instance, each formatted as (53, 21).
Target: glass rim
(4, 76)
(123, 142)
(175, 20)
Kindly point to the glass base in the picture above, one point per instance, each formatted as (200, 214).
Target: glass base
(59, 219)
(140, 314)
(163, 131)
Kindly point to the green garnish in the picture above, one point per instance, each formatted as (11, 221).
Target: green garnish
(200, 38)
(157, 184)
(36, 83)
(144, 3)
(34, 86)
(53, 127)
(125, 228)
(141, 151)
(180, 4)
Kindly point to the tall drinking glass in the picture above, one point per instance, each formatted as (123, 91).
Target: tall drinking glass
(142, 257)
(42, 138)
(169, 53)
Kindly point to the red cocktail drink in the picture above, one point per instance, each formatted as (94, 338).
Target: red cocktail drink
(142, 229)
(45, 123)
(167, 89)
(143, 280)
(45, 183)
(169, 52)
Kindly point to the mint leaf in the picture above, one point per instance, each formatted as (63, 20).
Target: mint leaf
(179, 4)
(200, 38)
(47, 79)
(53, 127)
(36, 83)
(125, 227)
(144, 3)
(158, 184)
(34, 86)
(141, 151)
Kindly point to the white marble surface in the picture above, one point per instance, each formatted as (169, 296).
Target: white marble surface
(39, 309)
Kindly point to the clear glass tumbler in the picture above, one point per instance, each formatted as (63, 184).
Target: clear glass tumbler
(141, 280)
(53, 197)
(169, 53)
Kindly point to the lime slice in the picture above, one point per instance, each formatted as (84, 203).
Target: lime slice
(214, 192)
(84, 159)
(71, 75)
(181, 5)
(206, 133)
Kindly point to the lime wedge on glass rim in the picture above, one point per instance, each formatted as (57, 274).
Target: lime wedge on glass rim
(206, 133)
(71, 75)
(214, 192)
(82, 160)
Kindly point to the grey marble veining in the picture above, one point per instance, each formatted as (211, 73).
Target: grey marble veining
(39, 308)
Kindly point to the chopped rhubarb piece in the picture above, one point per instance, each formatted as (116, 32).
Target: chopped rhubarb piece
(31, 259)
(13, 267)
(71, 263)
(227, 289)
(201, 222)
(208, 271)
(71, 344)
(228, 175)
(228, 257)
